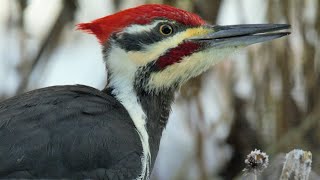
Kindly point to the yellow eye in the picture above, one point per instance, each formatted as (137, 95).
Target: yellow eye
(166, 29)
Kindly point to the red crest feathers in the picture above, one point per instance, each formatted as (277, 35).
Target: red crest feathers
(103, 27)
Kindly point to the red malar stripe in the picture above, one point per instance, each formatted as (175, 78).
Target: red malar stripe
(176, 54)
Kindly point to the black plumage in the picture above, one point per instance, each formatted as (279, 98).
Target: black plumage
(67, 132)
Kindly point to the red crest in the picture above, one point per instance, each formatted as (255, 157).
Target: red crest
(103, 27)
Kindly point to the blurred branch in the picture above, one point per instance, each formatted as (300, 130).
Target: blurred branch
(169, 2)
(117, 4)
(49, 43)
(22, 34)
(243, 138)
(207, 9)
(288, 139)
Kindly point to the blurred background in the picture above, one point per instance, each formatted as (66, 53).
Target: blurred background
(266, 96)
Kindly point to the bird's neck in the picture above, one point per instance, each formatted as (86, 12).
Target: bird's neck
(155, 112)
(148, 111)
(157, 108)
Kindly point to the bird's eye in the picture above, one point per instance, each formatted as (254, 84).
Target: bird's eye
(166, 29)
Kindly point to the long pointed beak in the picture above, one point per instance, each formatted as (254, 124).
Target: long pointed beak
(241, 35)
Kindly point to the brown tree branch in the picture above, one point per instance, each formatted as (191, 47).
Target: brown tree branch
(49, 43)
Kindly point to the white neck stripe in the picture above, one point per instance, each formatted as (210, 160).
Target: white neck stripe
(121, 79)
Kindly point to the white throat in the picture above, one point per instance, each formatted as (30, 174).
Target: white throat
(122, 80)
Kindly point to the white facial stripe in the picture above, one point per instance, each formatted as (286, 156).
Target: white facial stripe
(136, 28)
(122, 77)
(154, 51)
(190, 66)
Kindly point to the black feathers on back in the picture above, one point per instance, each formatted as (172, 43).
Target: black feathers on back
(67, 132)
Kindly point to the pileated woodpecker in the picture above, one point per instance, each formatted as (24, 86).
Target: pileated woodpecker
(81, 132)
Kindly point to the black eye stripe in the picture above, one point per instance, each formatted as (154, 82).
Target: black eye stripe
(139, 41)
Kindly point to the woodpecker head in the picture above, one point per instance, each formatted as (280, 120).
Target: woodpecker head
(158, 47)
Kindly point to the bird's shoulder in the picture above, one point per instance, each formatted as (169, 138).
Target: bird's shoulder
(68, 99)
(74, 128)
(63, 104)
(57, 94)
